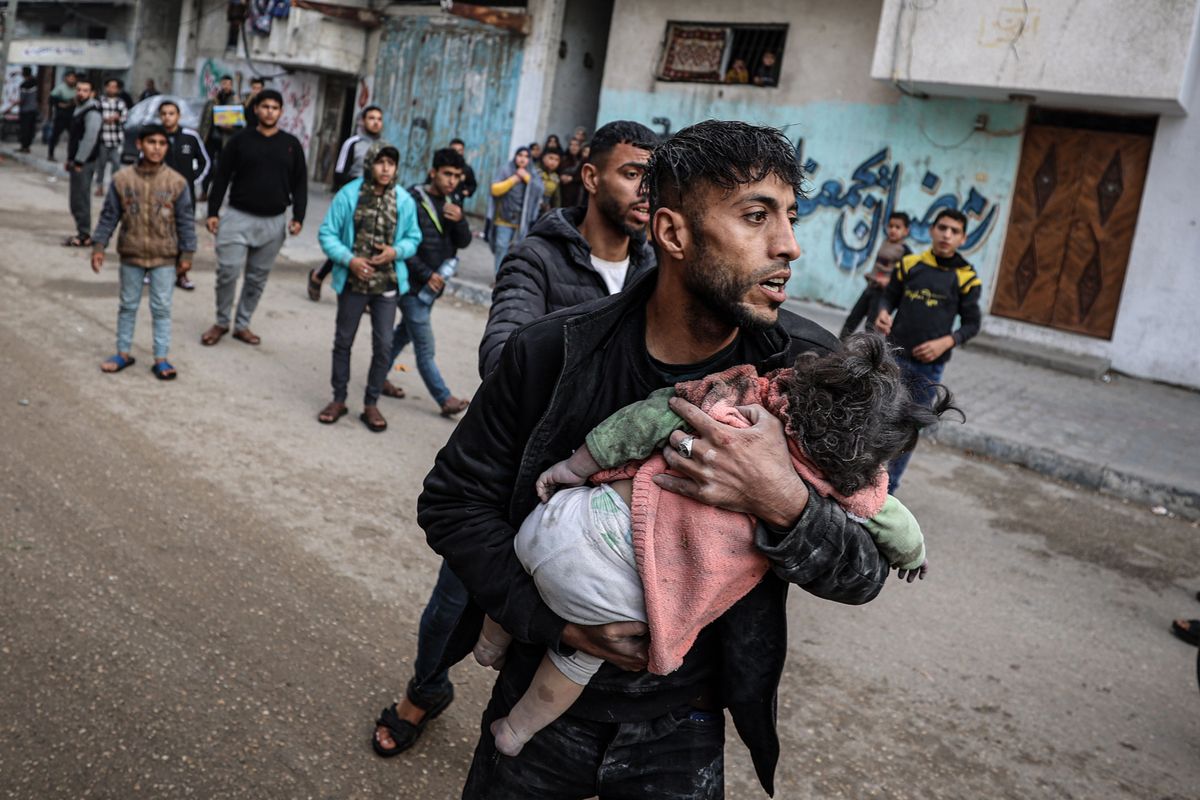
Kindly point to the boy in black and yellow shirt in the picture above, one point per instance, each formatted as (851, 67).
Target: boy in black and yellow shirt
(926, 293)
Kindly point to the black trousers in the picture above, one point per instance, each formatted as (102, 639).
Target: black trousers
(383, 318)
(28, 126)
(866, 307)
(678, 756)
(61, 122)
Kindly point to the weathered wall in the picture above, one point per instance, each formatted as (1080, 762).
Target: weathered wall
(299, 90)
(867, 148)
(1102, 54)
(1158, 323)
(154, 37)
(575, 96)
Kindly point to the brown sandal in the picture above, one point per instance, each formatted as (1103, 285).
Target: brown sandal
(246, 335)
(392, 390)
(213, 335)
(332, 413)
(373, 419)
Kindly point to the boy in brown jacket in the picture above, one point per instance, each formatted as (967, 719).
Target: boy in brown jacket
(157, 239)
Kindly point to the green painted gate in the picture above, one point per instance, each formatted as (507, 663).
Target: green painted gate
(438, 77)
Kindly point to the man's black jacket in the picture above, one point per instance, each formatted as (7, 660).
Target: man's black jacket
(533, 410)
(436, 244)
(549, 270)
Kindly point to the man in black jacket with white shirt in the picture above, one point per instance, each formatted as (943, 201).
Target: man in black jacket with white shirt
(723, 200)
(572, 255)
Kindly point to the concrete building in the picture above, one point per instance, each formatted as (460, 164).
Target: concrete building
(319, 58)
(1065, 132)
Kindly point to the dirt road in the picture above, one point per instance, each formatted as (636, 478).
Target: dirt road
(204, 593)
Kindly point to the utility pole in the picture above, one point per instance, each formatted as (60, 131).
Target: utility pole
(10, 25)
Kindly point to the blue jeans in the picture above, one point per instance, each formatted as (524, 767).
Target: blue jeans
(502, 237)
(414, 326)
(162, 286)
(920, 379)
(445, 606)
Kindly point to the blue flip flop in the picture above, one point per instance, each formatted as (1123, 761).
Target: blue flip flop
(121, 361)
(164, 371)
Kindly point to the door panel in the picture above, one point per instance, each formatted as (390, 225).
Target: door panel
(1071, 228)
(1097, 253)
(437, 78)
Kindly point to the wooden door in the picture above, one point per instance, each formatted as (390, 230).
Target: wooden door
(1071, 228)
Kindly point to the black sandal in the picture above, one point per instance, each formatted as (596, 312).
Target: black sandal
(404, 733)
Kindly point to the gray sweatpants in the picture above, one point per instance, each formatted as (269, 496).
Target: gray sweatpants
(250, 242)
(81, 198)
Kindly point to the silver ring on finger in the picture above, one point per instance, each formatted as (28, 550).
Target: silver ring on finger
(685, 446)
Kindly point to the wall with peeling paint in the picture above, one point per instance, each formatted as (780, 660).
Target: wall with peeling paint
(867, 149)
(438, 77)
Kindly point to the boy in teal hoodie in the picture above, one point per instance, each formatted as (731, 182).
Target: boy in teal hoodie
(371, 226)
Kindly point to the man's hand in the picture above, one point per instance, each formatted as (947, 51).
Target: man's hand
(436, 282)
(386, 255)
(361, 268)
(452, 212)
(625, 644)
(748, 470)
(97, 261)
(183, 267)
(212, 223)
(883, 323)
(927, 352)
(294, 227)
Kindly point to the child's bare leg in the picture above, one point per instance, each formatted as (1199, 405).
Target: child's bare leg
(492, 644)
(549, 696)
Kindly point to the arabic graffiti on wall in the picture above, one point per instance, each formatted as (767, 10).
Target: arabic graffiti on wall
(869, 197)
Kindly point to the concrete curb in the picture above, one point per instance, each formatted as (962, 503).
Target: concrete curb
(470, 292)
(1099, 477)
(45, 165)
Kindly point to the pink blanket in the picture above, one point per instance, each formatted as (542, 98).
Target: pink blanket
(696, 560)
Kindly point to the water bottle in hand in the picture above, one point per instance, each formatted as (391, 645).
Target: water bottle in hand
(446, 270)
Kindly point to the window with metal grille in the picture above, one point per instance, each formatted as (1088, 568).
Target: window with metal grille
(716, 52)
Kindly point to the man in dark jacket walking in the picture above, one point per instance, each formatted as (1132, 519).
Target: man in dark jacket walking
(559, 264)
(444, 231)
(28, 108)
(723, 200)
(187, 156)
(573, 255)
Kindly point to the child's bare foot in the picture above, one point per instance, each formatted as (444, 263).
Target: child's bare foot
(508, 741)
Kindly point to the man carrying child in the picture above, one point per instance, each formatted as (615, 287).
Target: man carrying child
(157, 239)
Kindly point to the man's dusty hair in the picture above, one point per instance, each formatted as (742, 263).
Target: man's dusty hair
(720, 153)
(851, 413)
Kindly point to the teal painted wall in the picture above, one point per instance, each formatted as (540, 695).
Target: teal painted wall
(862, 161)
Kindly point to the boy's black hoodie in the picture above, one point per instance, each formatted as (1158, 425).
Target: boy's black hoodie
(926, 293)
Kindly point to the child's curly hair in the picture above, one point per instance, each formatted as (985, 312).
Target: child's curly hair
(851, 412)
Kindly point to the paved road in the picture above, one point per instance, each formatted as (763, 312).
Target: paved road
(204, 593)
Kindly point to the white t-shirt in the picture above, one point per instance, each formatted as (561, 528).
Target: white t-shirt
(613, 273)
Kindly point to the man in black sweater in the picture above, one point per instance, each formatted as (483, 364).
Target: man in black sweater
(444, 231)
(927, 291)
(264, 170)
(723, 203)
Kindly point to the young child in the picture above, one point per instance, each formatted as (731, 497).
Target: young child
(625, 550)
(157, 239)
(886, 260)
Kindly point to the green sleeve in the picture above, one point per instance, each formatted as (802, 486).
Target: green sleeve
(898, 535)
(634, 432)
